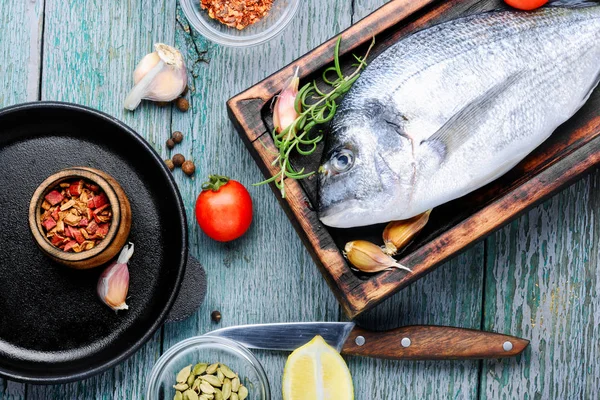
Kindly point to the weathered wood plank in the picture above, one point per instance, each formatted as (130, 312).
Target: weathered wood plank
(90, 52)
(21, 25)
(542, 284)
(266, 276)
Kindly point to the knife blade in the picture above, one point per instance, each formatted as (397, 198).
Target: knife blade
(419, 342)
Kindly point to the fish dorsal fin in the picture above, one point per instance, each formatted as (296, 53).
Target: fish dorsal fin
(458, 129)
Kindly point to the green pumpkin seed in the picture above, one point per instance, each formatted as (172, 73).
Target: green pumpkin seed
(227, 371)
(207, 388)
(226, 389)
(242, 392)
(191, 395)
(212, 368)
(199, 368)
(235, 384)
(182, 387)
(183, 374)
(178, 396)
(213, 380)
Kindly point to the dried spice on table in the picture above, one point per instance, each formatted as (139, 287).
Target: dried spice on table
(237, 13)
(76, 216)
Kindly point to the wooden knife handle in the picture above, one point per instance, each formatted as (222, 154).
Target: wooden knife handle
(432, 343)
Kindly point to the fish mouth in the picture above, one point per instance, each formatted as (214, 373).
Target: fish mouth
(342, 215)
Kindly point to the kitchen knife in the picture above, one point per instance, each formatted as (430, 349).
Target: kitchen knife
(419, 342)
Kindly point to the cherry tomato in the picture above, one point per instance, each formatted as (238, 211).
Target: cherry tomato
(224, 208)
(526, 4)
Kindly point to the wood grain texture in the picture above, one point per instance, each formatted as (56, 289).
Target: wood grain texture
(542, 283)
(21, 25)
(431, 342)
(451, 295)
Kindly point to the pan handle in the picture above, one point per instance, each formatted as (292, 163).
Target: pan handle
(192, 292)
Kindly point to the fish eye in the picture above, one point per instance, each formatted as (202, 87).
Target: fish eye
(342, 161)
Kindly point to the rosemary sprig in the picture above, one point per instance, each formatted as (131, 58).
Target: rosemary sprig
(314, 107)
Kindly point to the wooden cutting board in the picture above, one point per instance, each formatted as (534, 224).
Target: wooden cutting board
(571, 151)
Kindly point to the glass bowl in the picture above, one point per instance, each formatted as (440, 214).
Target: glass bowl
(280, 15)
(209, 350)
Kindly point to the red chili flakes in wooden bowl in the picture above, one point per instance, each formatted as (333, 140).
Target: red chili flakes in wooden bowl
(237, 13)
(76, 216)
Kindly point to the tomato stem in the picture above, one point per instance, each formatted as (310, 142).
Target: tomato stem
(215, 182)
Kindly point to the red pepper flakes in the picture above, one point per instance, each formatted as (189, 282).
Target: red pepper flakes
(237, 13)
(76, 216)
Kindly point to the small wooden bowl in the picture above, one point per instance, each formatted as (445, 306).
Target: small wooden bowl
(117, 235)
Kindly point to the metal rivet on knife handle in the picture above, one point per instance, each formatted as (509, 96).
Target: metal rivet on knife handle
(507, 346)
(360, 340)
(405, 342)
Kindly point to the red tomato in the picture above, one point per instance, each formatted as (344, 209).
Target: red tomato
(224, 209)
(526, 4)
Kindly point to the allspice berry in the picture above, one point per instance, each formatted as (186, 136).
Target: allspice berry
(177, 137)
(170, 164)
(215, 316)
(170, 143)
(182, 104)
(188, 167)
(178, 160)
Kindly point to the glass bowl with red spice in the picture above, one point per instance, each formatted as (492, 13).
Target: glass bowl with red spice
(80, 217)
(239, 23)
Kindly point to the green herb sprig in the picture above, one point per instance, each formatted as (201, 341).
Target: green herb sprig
(314, 107)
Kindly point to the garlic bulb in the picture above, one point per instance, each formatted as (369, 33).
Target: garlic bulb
(368, 257)
(113, 284)
(397, 234)
(160, 76)
(284, 110)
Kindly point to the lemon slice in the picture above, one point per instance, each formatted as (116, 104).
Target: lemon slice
(316, 371)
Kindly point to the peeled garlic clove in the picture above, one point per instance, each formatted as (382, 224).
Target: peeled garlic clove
(369, 257)
(284, 110)
(397, 234)
(113, 284)
(160, 76)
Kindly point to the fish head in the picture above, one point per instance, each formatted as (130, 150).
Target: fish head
(364, 176)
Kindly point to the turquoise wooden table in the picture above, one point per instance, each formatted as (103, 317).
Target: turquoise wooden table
(536, 278)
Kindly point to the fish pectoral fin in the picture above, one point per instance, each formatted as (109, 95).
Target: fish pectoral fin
(458, 129)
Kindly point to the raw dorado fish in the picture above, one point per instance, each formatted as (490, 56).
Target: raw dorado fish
(453, 107)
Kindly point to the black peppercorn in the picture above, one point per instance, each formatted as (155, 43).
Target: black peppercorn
(188, 167)
(182, 104)
(177, 137)
(178, 160)
(170, 143)
(215, 316)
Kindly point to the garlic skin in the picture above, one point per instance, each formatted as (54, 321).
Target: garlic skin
(159, 76)
(113, 284)
(368, 257)
(284, 110)
(398, 234)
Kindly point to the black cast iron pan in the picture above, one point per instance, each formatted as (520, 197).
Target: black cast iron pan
(53, 328)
